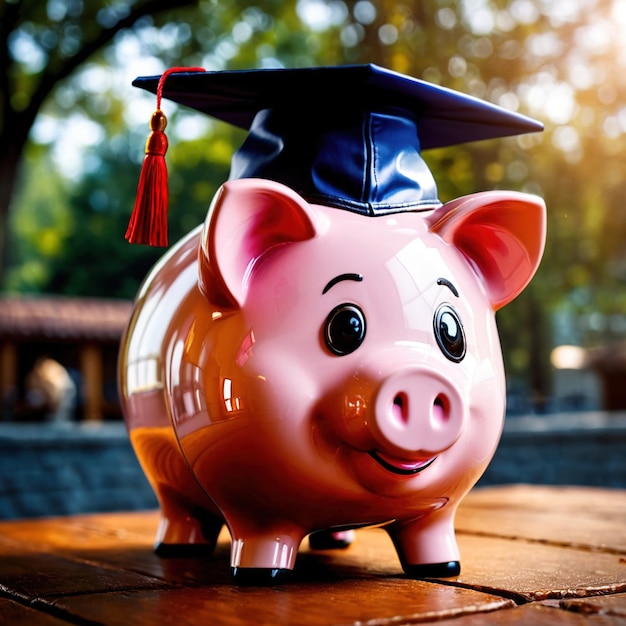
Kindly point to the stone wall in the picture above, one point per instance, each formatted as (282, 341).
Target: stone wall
(562, 449)
(50, 469)
(80, 468)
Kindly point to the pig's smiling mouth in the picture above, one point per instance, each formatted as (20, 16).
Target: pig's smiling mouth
(403, 468)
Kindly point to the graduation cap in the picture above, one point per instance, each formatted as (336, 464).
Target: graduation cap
(349, 136)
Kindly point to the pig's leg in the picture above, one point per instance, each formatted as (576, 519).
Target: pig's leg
(189, 523)
(331, 540)
(427, 545)
(186, 530)
(263, 556)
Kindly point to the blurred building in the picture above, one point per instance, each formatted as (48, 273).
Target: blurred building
(589, 379)
(41, 337)
(609, 362)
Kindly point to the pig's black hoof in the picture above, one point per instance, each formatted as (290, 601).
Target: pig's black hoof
(259, 576)
(326, 540)
(184, 550)
(433, 570)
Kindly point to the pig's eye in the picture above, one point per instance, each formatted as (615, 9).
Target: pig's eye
(449, 333)
(344, 330)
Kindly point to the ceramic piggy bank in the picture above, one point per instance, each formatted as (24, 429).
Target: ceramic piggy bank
(306, 363)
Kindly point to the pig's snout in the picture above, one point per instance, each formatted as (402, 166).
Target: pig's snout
(416, 411)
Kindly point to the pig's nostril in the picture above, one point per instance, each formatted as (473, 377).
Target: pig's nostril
(400, 408)
(440, 411)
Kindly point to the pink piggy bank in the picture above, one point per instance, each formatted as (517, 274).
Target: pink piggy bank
(291, 368)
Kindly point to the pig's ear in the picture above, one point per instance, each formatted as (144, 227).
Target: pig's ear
(248, 218)
(501, 233)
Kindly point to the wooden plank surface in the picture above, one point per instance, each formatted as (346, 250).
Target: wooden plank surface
(13, 613)
(604, 605)
(530, 555)
(382, 600)
(548, 514)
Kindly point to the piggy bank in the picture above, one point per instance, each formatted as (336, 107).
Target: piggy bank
(293, 369)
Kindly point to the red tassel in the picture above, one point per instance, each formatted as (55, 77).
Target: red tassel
(148, 222)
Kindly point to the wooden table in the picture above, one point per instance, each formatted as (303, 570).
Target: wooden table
(530, 555)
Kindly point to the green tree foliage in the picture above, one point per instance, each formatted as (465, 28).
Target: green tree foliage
(41, 45)
(82, 251)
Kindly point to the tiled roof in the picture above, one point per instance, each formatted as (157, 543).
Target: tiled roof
(60, 317)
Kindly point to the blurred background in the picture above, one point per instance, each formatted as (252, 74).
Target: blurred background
(72, 133)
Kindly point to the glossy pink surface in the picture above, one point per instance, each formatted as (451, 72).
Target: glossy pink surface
(292, 367)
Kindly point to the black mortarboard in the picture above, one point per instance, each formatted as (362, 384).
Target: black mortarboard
(347, 136)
